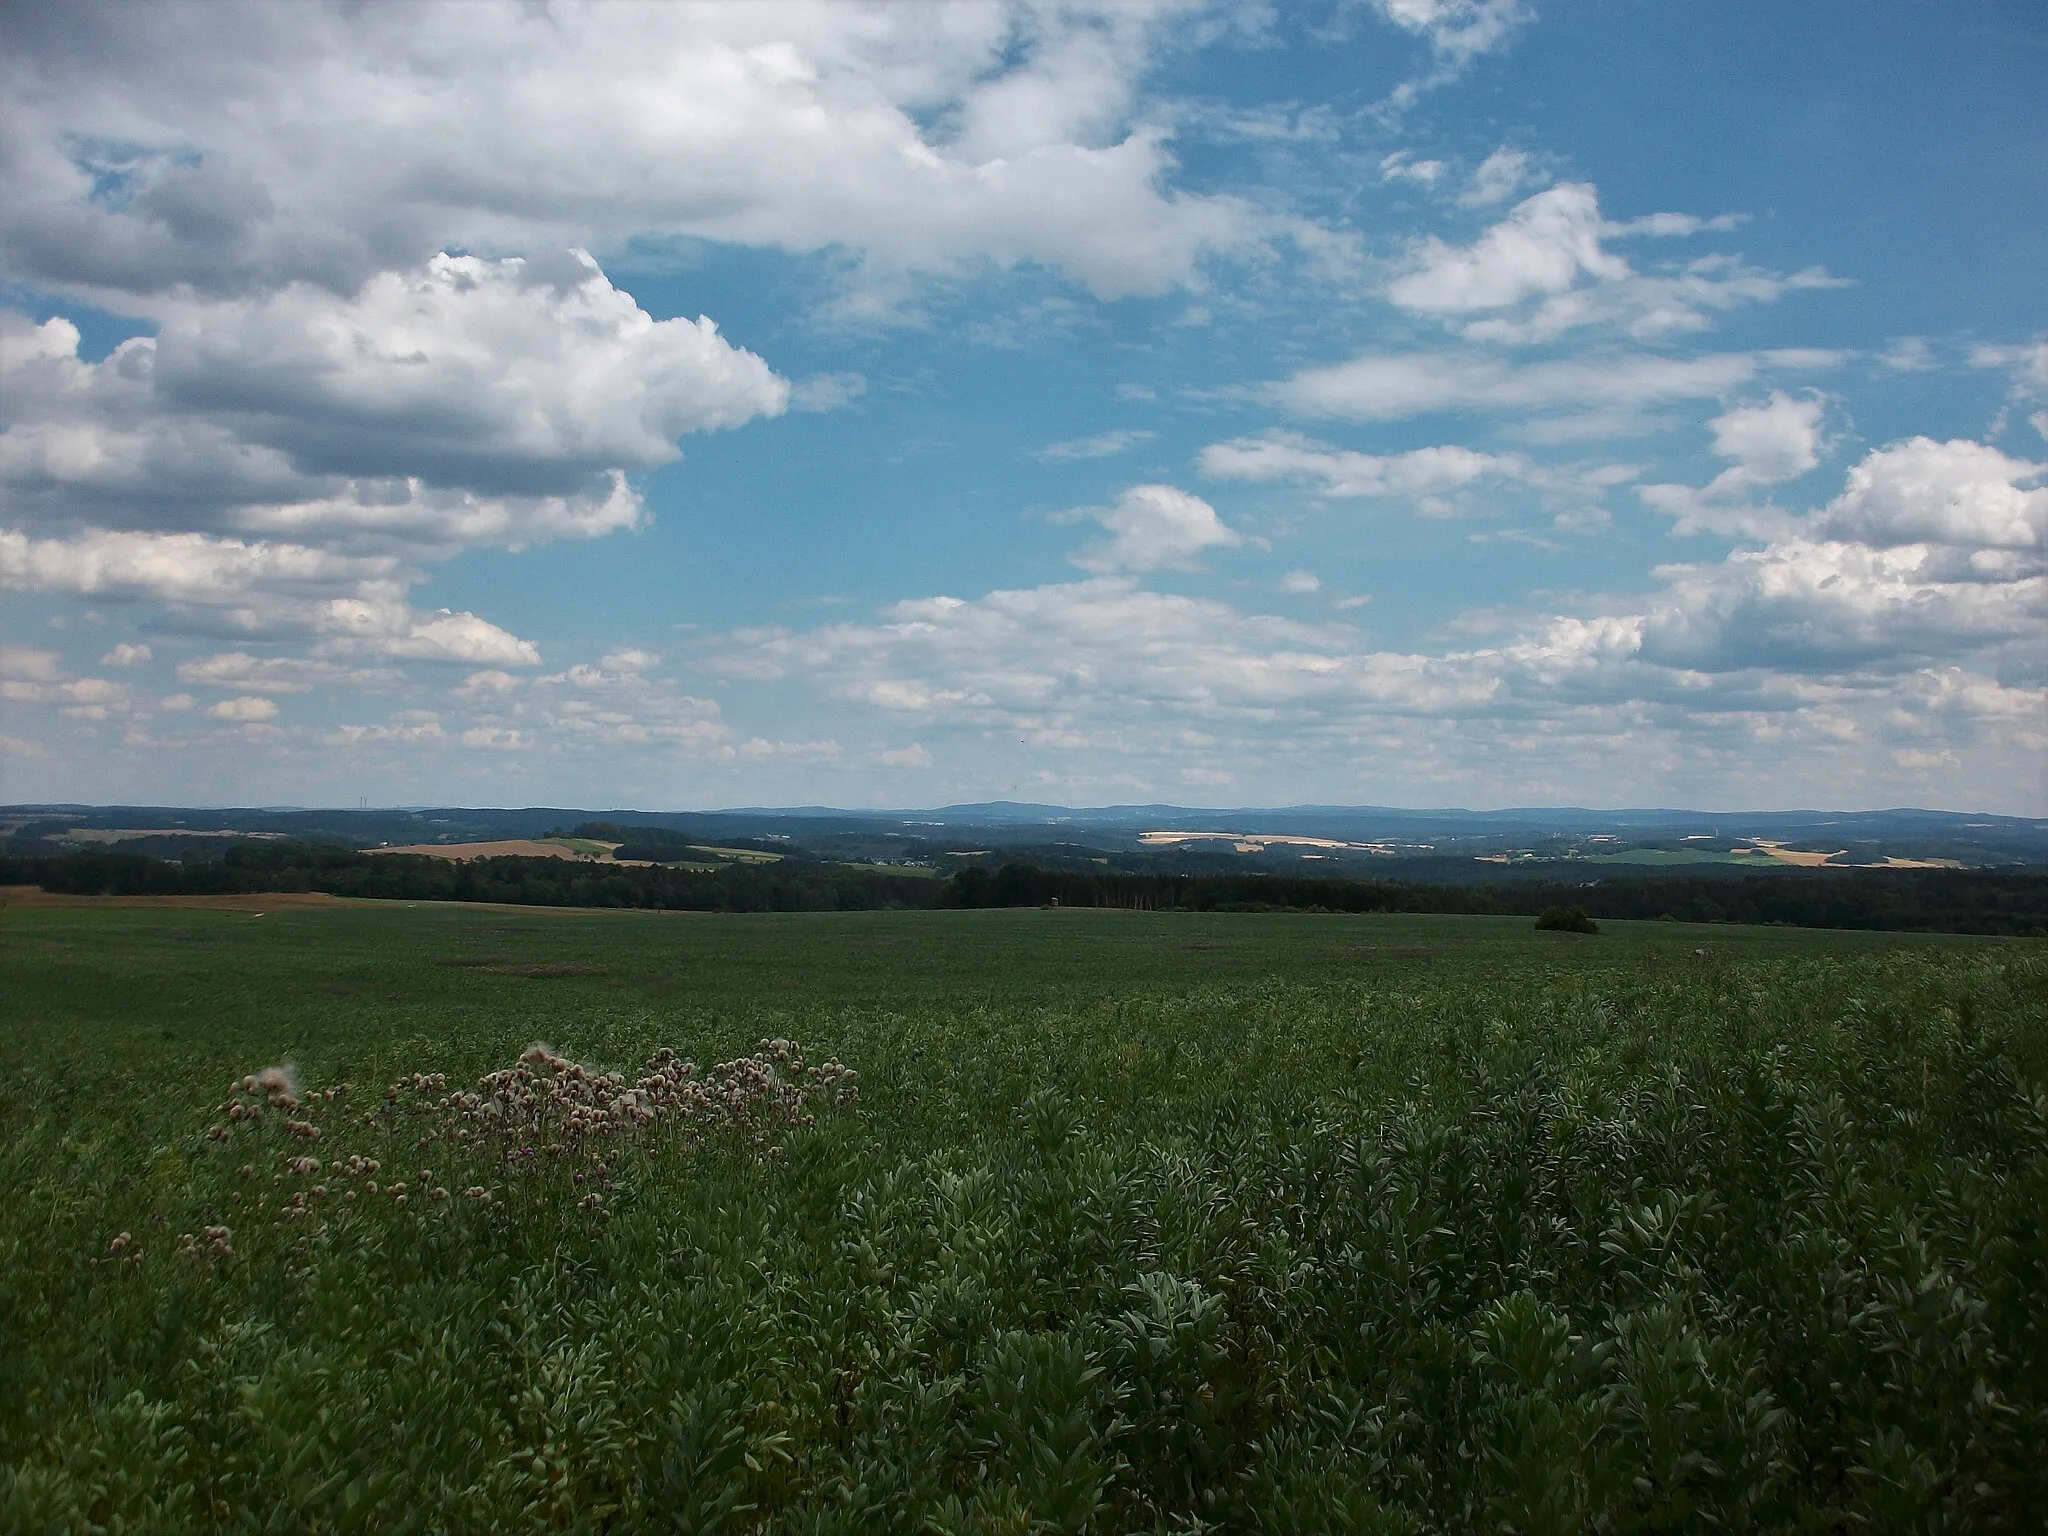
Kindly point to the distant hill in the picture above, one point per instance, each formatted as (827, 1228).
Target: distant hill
(1253, 836)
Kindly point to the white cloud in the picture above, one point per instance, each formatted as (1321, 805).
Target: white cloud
(1549, 249)
(1395, 386)
(1154, 526)
(30, 664)
(912, 756)
(244, 709)
(1805, 605)
(1814, 638)
(1402, 165)
(1440, 481)
(1458, 32)
(1500, 176)
(243, 673)
(1420, 474)
(126, 655)
(354, 605)
(1776, 441)
(827, 391)
(1103, 445)
(2028, 363)
(263, 466)
(1961, 493)
(358, 145)
(466, 402)
(404, 634)
(1544, 246)
(1301, 583)
(187, 568)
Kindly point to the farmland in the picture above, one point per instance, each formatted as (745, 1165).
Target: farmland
(1139, 1221)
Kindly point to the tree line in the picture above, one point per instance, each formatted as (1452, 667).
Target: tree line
(1939, 901)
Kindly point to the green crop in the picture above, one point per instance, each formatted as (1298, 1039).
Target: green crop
(1138, 1223)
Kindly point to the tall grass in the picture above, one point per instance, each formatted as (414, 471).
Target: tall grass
(1751, 1246)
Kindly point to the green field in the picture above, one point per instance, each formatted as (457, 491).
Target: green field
(1141, 1222)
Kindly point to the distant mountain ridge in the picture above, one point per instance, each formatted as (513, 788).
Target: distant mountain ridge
(1547, 832)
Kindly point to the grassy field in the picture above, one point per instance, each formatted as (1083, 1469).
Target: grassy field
(1140, 1222)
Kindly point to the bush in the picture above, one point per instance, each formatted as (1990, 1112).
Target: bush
(1567, 920)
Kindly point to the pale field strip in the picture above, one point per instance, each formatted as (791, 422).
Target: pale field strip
(1258, 842)
(1254, 842)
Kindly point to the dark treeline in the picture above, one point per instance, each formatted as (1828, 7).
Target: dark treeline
(1939, 901)
(1925, 900)
(785, 886)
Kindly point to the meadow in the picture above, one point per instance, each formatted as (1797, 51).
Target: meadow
(1123, 1222)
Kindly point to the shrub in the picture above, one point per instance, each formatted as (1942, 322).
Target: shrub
(1567, 920)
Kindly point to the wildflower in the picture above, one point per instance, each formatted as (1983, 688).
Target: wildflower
(121, 1244)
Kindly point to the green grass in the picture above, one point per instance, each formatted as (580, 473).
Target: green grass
(1143, 1222)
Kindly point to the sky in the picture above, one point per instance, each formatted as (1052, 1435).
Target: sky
(1405, 402)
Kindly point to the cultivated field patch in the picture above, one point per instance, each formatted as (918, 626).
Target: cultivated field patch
(1154, 1222)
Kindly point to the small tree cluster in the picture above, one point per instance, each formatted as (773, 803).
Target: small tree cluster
(1567, 920)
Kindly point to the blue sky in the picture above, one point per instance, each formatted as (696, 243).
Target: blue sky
(1420, 402)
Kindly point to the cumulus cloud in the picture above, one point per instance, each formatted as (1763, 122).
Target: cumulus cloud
(1543, 247)
(1858, 623)
(1155, 526)
(1804, 605)
(30, 664)
(1547, 262)
(1770, 443)
(463, 403)
(277, 465)
(352, 604)
(185, 568)
(126, 655)
(1959, 494)
(1778, 440)
(244, 709)
(355, 148)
